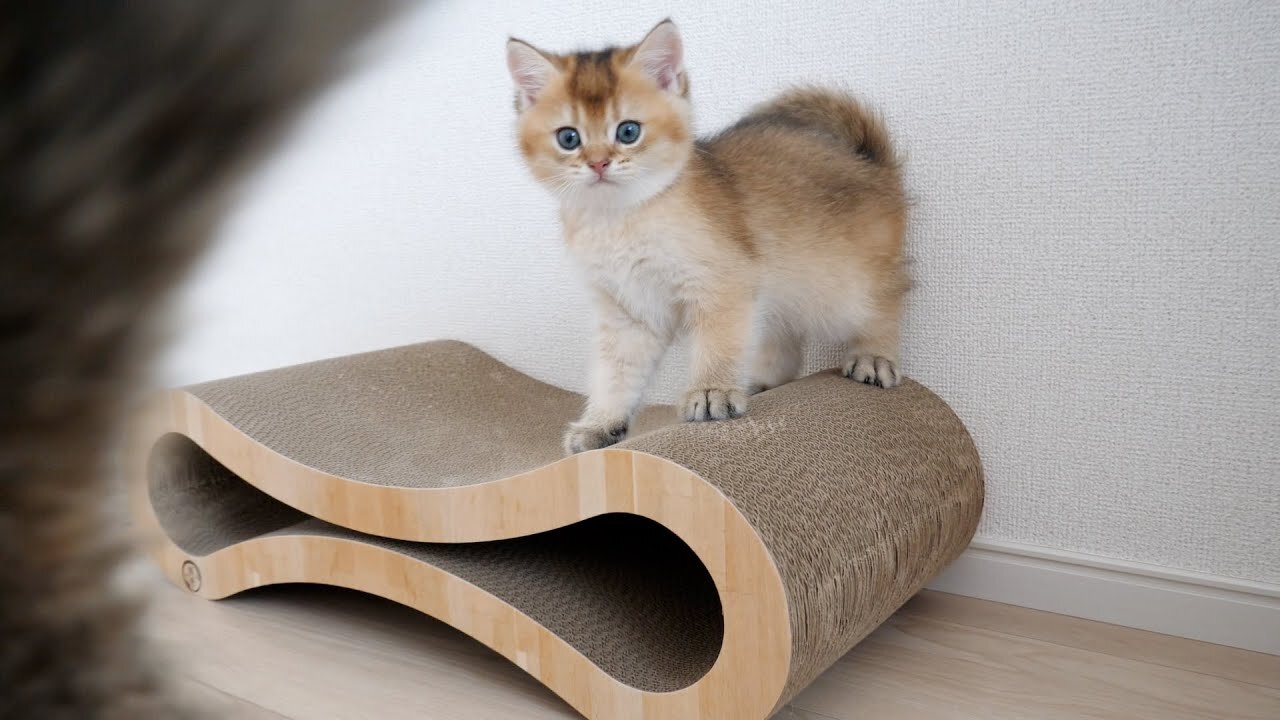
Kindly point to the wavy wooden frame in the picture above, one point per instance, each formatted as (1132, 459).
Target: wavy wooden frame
(745, 682)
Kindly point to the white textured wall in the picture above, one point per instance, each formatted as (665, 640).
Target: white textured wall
(1096, 241)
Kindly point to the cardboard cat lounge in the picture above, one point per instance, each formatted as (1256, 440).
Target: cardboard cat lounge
(695, 570)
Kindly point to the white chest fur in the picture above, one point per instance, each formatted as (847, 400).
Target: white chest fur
(642, 263)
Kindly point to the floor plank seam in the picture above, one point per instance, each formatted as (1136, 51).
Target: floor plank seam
(1009, 633)
(1039, 641)
(236, 698)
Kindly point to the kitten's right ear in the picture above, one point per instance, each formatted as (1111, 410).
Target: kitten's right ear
(531, 70)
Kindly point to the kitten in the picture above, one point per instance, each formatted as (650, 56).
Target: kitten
(120, 125)
(791, 220)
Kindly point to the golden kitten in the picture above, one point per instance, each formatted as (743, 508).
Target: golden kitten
(786, 226)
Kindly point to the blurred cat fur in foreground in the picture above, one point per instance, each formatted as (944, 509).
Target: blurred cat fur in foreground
(123, 124)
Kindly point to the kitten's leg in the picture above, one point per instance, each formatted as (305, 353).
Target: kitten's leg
(626, 354)
(776, 360)
(873, 354)
(720, 331)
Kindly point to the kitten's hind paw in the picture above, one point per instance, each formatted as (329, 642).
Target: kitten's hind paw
(873, 370)
(583, 436)
(713, 404)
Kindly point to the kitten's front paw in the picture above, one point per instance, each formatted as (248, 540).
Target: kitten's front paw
(713, 404)
(873, 370)
(583, 436)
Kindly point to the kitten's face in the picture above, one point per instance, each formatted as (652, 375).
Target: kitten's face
(604, 129)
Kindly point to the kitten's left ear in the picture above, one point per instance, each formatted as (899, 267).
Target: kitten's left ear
(661, 56)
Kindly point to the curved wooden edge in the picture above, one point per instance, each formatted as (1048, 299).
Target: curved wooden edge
(746, 681)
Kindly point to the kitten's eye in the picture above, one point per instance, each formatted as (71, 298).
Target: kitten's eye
(568, 138)
(628, 132)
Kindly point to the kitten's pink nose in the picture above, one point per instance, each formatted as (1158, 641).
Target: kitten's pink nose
(599, 166)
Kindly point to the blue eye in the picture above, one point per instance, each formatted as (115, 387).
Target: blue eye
(568, 138)
(628, 132)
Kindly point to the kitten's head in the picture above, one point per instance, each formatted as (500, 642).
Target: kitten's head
(608, 128)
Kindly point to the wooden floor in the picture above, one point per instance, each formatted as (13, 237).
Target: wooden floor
(312, 653)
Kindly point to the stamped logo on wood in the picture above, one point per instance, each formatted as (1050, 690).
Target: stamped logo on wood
(191, 576)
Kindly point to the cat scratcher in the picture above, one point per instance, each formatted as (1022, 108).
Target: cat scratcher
(707, 570)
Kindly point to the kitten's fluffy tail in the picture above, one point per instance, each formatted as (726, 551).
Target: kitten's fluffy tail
(840, 114)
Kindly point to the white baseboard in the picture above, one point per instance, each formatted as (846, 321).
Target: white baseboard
(1211, 608)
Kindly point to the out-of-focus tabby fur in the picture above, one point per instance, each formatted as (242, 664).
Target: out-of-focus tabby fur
(120, 123)
(789, 224)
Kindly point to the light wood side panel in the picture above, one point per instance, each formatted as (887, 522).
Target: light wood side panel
(745, 682)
